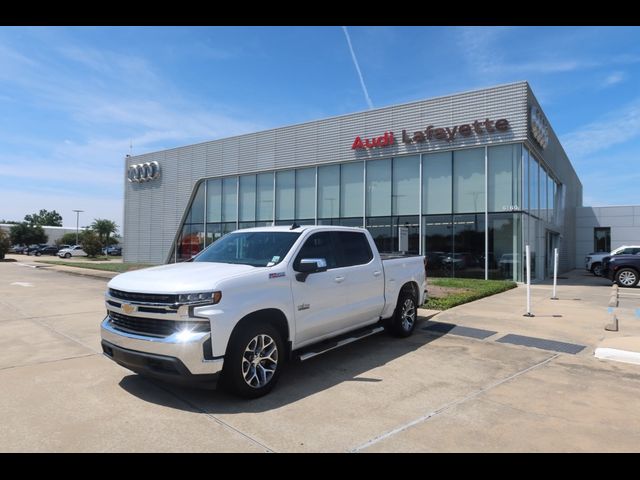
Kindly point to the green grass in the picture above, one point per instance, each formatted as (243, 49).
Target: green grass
(108, 267)
(474, 290)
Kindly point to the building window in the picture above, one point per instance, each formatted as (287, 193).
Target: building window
(264, 197)
(305, 193)
(436, 183)
(533, 186)
(504, 178)
(406, 186)
(247, 198)
(214, 200)
(379, 188)
(468, 180)
(285, 195)
(328, 191)
(230, 199)
(351, 189)
(602, 239)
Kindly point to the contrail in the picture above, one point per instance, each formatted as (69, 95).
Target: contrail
(355, 62)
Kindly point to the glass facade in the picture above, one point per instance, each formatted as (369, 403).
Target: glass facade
(470, 211)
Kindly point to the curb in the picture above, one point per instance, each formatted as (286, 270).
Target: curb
(624, 356)
(80, 272)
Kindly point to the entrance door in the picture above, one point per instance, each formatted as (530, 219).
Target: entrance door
(552, 242)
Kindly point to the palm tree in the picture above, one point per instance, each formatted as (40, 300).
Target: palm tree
(104, 228)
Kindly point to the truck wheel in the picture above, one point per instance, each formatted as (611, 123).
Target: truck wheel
(254, 360)
(596, 269)
(404, 317)
(627, 277)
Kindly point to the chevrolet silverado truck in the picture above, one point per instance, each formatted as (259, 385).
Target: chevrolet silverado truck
(622, 269)
(255, 298)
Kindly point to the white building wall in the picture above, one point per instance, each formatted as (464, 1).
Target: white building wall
(624, 222)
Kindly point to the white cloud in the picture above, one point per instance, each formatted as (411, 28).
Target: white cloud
(614, 78)
(615, 128)
(115, 100)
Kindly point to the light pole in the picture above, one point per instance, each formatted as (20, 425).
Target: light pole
(77, 223)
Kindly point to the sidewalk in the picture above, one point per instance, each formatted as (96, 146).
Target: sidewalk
(578, 317)
(34, 262)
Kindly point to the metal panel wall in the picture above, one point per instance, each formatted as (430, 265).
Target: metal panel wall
(153, 210)
(556, 160)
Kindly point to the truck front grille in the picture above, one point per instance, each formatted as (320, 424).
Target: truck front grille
(152, 326)
(167, 298)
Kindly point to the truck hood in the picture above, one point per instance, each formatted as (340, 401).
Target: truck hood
(178, 277)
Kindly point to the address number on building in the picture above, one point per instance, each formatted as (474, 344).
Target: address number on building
(510, 208)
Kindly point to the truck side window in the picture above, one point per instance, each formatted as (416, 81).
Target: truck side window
(354, 249)
(318, 245)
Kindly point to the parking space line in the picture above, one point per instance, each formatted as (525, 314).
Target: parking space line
(448, 406)
(48, 361)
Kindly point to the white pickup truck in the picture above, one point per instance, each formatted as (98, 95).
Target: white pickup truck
(255, 298)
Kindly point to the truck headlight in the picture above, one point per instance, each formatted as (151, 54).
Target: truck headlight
(200, 298)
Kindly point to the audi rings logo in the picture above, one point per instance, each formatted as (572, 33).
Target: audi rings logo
(539, 127)
(143, 172)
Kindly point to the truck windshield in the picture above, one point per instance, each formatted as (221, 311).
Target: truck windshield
(258, 249)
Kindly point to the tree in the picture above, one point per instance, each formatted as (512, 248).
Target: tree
(70, 238)
(91, 244)
(8, 221)
(26, 234)
(44, 217)
(5, 243)
(104, 228)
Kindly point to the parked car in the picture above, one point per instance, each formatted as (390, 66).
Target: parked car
(593, 261)
(47, 250)
(622, 269)
(268, 293)
(32, 249)
(112, 250)
(460, 260)
(19, 248)
(75, 251)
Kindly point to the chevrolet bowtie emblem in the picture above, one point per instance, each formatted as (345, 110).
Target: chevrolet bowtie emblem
(126, 308)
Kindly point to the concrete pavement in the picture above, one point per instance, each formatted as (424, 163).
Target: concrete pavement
(430, 392)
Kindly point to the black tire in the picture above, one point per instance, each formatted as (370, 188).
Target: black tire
(627, 277)
(37, 254)
(67, 255)
(241, 374)
(596, 269)
(405, 316)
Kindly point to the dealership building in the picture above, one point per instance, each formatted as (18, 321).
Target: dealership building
(471, 178)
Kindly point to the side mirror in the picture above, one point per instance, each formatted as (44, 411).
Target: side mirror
(310, 265)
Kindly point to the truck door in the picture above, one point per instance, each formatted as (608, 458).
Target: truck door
(363, 277)
(319, 301)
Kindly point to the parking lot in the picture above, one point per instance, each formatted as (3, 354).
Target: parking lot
(439, 390)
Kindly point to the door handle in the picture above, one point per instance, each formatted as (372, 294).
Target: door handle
(339, 279)
(377, 273)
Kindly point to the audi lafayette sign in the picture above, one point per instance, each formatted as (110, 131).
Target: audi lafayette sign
(143, 172)
(430, 133)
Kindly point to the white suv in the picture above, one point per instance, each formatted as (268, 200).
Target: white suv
(593, 261)
(75, 251)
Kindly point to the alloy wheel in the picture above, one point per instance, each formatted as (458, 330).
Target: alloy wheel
(259, 361)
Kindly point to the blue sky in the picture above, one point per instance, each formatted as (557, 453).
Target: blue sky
(73, 99)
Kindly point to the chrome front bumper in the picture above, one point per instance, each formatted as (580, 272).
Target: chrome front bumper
(189, 350)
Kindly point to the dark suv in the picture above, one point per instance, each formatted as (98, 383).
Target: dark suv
(32, 249)
(622, 269)
(47, 250)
